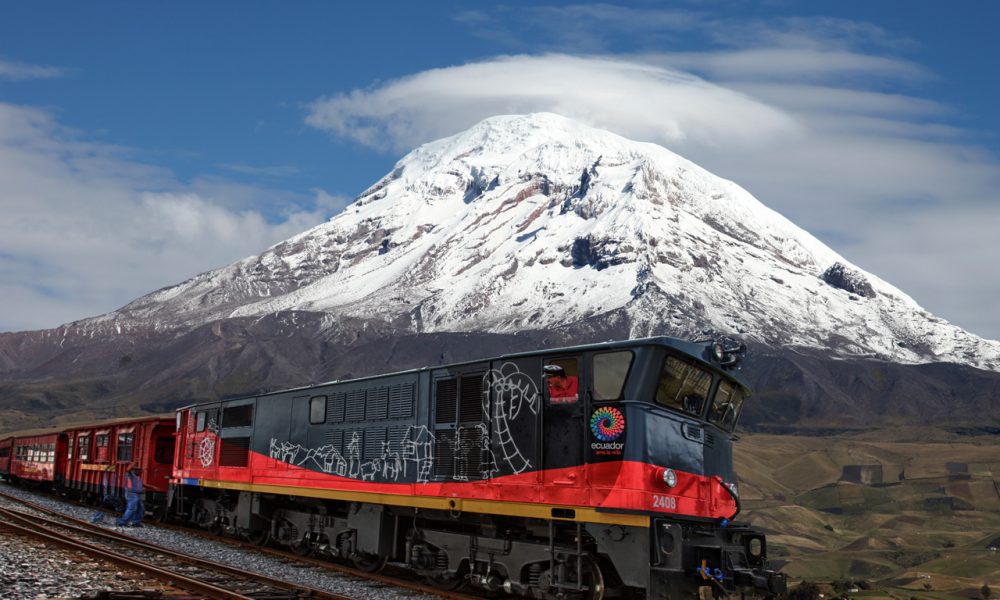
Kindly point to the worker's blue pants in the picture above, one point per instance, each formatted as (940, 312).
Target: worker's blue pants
(134, 510)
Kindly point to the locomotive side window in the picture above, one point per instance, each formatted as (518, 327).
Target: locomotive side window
(237, 416)
(683, 386)
(317, 410)
(126, 441)
(726, 405)
(200, 421)
(610, 370)
(563, 380)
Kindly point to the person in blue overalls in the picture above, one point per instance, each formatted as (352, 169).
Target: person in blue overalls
(134, 510)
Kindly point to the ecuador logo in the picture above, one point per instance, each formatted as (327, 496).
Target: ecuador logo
(607, 423)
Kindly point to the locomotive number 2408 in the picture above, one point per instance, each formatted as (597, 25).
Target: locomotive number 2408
(667, 502)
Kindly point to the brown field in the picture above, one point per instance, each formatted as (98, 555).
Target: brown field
(922, 532)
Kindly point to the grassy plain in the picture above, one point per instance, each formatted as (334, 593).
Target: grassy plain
(915, 516)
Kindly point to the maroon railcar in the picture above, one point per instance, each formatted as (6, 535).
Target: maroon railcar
(98, 454)
(6, 449)
(39, 457)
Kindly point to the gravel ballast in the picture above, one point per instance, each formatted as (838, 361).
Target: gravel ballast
(24, 569)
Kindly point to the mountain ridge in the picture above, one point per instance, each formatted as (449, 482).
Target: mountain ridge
(465, 230)
(521, 232)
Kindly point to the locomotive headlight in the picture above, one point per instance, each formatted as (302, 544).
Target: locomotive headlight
(669, 478)
(719, 351)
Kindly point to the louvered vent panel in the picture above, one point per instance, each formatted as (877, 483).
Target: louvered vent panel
(447, 392)
(468, 454)
(335, 407)
(234, 452)
(470, 406)
(709, 439)
(401, 401)
(355, 405)
(444, 455)
(377, 404)
(374, 438)
(335, 438)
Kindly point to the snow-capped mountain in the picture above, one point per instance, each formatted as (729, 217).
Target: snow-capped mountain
(540, 222)
(522, 232)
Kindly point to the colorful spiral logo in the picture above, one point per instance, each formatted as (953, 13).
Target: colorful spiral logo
(607, 423)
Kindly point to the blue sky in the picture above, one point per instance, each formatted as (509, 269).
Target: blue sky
(143, 143)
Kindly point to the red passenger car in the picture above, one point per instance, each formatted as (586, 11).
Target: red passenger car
(97, 456)
(39, 457)
(6, 449)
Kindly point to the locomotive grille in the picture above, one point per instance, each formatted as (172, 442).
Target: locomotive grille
(356, 405)
(335, 407)
(235, 452)
(401, 401)
(374, 438)
(470, 408)
(447, 392)
(444, 454)
(377, 403)
(335, 438)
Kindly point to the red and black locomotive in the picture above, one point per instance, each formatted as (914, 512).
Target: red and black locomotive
(577, 472)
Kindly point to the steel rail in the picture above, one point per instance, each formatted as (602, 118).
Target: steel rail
(100, 532)
(282, 554)
(194, 585)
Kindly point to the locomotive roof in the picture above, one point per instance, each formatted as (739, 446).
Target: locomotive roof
(696, 350)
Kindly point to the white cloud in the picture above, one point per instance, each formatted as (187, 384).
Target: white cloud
(639, 99)
(18, 71)
(811, 130)
(86, 229)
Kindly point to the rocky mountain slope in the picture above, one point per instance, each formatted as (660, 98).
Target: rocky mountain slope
(519, 231)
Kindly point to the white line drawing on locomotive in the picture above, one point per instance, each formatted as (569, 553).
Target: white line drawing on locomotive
(416, 448)
(206, 451)
(478, 450)
(513, 390)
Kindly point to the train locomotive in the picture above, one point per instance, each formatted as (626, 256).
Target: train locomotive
(593, 471)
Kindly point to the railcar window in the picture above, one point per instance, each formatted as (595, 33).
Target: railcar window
(726, 405)
(102, 441)
(237, 416)
(317, 410)
(83, 447)
(4, 452)
(51, 454)
(610, 370)
(683, 385)
(200, 421)
(126, 442)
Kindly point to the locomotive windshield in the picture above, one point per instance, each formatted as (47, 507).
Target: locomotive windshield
(686, 386)
(683, 385)
(726, 405)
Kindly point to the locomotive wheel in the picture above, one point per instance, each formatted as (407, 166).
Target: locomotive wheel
(446, 583)
(594, 580)
(257, 537)
(302, 548)
(369, 563)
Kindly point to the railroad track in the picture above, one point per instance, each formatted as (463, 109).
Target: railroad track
(379, 578)
(206, 578)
